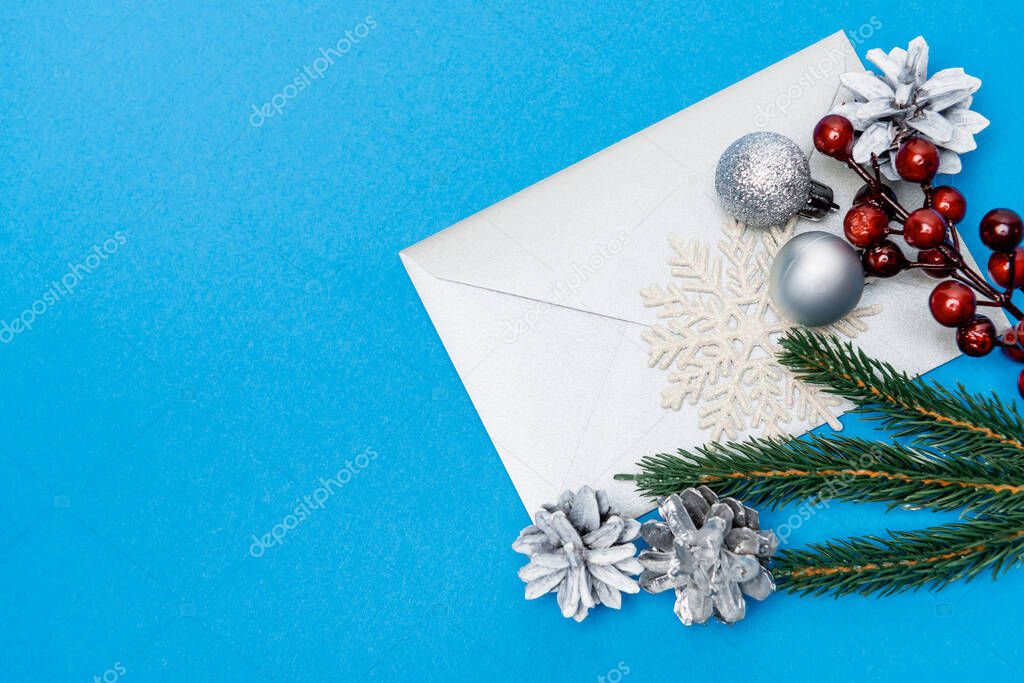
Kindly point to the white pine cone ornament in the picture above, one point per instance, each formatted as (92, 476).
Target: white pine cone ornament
(582, 550)
(711, 551)
(903, 101)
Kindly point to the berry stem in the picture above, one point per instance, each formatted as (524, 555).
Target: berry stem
(954, 236)
(965, 274)
(932, 230)
(876, 183)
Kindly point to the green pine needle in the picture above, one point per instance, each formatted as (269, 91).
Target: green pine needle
(905, 560)
(777, 471)
(966, 451)
(953, 422)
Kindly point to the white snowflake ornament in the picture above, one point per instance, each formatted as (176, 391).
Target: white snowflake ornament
(720, 337)
(903, 101)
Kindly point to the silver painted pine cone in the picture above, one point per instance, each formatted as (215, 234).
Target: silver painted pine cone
(902, 101)
(711, 552)
(582, 550)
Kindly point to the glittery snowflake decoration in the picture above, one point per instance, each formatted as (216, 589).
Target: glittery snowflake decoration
(903, 101)
(720, 337)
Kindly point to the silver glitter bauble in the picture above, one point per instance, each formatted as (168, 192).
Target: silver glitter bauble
(816, 279)
(763, 179)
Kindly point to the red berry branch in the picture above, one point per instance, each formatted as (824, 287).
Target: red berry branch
(877, 214)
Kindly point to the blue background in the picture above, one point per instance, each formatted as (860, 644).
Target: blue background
(256, 330)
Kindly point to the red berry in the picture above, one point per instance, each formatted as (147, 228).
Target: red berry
(867, 195)
(833, 136)
(924, 229)
(1001, 229)
(977, 336)
(1011, 344)
(999, 268)
(935, 257)
(917, 160)
(949, 203)
(1013, 352)
(884, 260)
(1020, 383)
(952, 303)
(865, 225)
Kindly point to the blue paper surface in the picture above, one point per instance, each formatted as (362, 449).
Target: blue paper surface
(233, 447)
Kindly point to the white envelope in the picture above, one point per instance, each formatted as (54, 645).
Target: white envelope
(549, 347)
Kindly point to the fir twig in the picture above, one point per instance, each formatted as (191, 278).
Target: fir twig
(955, 422)
(966, 451)
(905, 560)
(776, 471)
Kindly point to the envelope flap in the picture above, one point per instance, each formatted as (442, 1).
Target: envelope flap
(593, 235)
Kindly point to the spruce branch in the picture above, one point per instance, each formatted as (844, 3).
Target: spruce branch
(955, 422)
(777, 471)
(965, 451)
(905, 560)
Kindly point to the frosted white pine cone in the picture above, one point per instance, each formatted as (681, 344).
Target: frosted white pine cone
(582, 550)
(903, 101)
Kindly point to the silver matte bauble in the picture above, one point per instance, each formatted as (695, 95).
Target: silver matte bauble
(816, 279)
(763, 179)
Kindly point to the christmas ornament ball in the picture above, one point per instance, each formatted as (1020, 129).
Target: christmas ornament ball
(949, 202)
(1001, 230)
(917, 160)
(816, 279)
(952, 303)
(977, 336)
(999, 268)
(865, 225)
(884, 260)
(944, 267)
(924, 229)
(763, 179)
(834, 136)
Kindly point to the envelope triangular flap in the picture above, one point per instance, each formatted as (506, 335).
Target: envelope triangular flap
(591, 236)
(537, 393)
